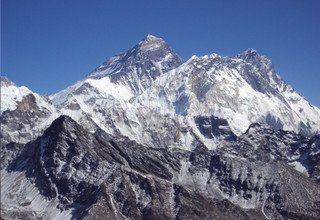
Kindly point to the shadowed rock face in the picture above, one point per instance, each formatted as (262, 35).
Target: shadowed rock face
(101, 176)
(214, 127)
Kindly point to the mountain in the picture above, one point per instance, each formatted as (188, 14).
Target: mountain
(236, 89)
(243, 89)
(122, 95)
(140, 65)
(70, 172)
(24, 114)
(147, 135)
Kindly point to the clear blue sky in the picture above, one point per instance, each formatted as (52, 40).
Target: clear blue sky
(49, 44)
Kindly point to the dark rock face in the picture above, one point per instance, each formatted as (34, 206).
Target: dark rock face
(214, 127)
(285, 146)
(181, 105)
(101, 176)
(58, 163)
(9, 152)
(273, 122)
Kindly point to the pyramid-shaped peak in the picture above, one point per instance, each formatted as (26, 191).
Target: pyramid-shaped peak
(63, 122)
(151, 41)
(150, 37)
(252, 55)
(250, 51)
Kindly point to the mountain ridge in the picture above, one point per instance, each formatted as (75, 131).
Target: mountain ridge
(149, 136)
(231, 81)
(83, 174)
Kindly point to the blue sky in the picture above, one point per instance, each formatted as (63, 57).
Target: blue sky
(49, 44)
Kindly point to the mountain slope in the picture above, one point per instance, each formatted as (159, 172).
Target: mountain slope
(24, 114)
(233, 89)
(243, 89)
(140, 65)
(165, 112)
(69, 172)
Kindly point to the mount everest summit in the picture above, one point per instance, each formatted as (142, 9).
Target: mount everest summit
(147, 135)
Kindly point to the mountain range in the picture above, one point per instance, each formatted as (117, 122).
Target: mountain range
(148, 135)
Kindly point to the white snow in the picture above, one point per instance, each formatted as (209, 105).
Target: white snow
(106, 87)
(299, 167)
(10, 95)
(18, 193)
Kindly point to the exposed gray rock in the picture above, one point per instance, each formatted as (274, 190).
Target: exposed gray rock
(98, 176)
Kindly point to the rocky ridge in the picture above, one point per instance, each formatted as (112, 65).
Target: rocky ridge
(90, 176)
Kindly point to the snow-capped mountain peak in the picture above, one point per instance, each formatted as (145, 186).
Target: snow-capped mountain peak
(261, 62)
(140, 65)
(151, 42)
(251, 55)
(242, 89)
(250, 52)
(151, 37)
